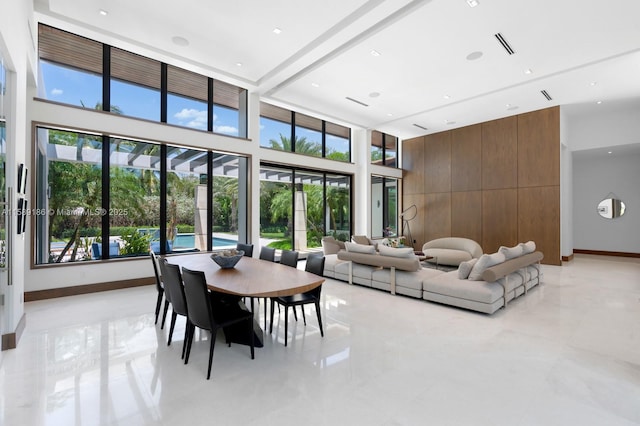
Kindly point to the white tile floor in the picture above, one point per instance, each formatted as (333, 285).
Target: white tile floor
(568, 353)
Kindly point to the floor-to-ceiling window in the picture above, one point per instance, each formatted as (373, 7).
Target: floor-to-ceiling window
(103, 197)
(299, 206)
(384, 149)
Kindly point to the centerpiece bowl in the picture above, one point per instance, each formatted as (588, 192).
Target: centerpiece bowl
(227, 259)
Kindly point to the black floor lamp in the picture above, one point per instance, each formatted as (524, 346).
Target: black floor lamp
(407, 215)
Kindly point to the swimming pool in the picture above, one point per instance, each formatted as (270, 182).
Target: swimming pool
(187, 241)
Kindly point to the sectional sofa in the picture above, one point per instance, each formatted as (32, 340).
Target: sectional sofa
(483, 284)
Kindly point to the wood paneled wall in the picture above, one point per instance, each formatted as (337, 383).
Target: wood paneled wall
(497, 183)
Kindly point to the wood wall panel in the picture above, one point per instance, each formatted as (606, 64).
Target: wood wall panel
(413, 165)
(499, 219)
(466, 215)
(500, 153)
(539, 148)
(466, 158)
(417, 225)
(539, 220)
(437, 216)
(437, 162)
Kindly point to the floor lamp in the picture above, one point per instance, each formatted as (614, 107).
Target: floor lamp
(407, 215)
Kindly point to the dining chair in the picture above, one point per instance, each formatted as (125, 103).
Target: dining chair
(208, 315)
(174, 289)
(268, 253)
(289, 258)
(246, 248)
(159, 287)
(315, 265)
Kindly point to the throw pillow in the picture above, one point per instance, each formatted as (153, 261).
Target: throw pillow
(360, 239)
(485, 261)
(528, 247)
(360, 248)
(395, 252)
(465, 268)
(511, 252)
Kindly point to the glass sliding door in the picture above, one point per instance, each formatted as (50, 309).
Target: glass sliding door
(276, 207)
(134, 197)
(384, 207)
(338, 206)
(230, 200)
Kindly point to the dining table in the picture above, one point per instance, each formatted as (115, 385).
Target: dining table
(250, 277)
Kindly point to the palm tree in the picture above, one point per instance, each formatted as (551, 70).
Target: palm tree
(302, 145)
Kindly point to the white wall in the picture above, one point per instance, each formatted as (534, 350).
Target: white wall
(595, 174)
(566, 188)
(17, 50)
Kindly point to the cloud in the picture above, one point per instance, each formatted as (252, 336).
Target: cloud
(56, 92)
(227, 130)
(192, 118)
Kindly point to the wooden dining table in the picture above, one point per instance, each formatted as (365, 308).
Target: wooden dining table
(250, 278)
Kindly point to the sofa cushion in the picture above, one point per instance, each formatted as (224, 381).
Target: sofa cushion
(361, 239)
(528, 247)
(331, 246)
(445, 256)
(448, 284)
(511, 252)
(395, 252)
(360, 248)
(485, 261)
(401, 263)
(465, 268)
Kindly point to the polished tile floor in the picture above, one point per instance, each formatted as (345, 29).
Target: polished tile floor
(568, 353)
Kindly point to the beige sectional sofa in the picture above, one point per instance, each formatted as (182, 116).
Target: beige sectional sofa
(483, 284)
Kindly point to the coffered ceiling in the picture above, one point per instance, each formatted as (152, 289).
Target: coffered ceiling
(386, 65)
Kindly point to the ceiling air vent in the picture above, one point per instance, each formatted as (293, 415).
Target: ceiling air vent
(356, 101)
(420, 127)
(546, 95)
(505, 43)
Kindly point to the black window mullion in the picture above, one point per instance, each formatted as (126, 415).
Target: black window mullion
(210, 105)
(293, 209)
(163, 199)
(293, 131)
(324, 198)
(384, 151)
(209, 231)
(106, 77)
(106, 192)
(324, 139)
(163, 93)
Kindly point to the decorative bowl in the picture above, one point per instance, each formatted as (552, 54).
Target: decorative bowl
(227, 259)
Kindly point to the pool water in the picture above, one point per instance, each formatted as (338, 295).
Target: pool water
(185, 241)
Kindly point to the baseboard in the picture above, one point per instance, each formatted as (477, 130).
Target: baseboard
(607, 253)
(32, 296)
(567, 258)
(10, 340)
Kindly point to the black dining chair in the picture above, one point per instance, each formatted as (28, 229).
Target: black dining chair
(289, 258)
(246, 248)
(159, 287)
(268, 253)
(315, 265)
(207, 314)
(174, 290)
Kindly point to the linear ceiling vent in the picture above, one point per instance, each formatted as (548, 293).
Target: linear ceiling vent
(420, 127)
(546, 95)
(356, 101)
(505, 43)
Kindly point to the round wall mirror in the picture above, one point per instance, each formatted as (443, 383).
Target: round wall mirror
(610, 208)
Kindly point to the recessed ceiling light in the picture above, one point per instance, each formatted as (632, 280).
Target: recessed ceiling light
(528, 71)
(374, 94)
(472, 3)
(609, 152)
(446, 97)
(238, 64)
(103, 12)
(593, 83)
(277, 30)
(315, 84)
(375, 53)
(599, 102)
(180, 41)
(389, 115)
(474, 55)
